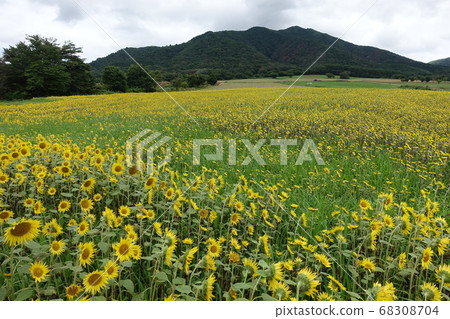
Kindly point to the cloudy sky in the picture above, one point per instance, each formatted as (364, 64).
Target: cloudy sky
(418, 29)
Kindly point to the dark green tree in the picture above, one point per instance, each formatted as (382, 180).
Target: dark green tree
(114, 79)
(41, 67)
(344, 75)
(330, 75)
(139, 80)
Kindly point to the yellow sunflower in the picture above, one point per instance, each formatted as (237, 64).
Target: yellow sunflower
(235, 218)
(426, 257)
(57, 247)
(443, 275)
(88, 185)
(365, 205)
(214, 248)
(5, 215)
(306, 282)
(117, 168)
(94, 282)
(52, 228)
(323, 259)
(123, 249)
(124, 211)
(23, 231)
(83, 227)
(87, 251)
(112, 269)
(430, 292)
(323, 296)
(169, 193)
(151, 182)
(208, 287)
(39, 271)
(72, 291)
(367, 264)
(86, 205)
(64, 206)
(401, 260)
(386, 292)
(189, 257)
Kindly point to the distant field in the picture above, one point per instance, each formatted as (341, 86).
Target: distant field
(323, 81)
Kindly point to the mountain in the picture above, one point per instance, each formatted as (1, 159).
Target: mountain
(261, 51)
(443, 62)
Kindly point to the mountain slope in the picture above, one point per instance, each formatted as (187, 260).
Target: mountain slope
(442, 62)
(261, 51)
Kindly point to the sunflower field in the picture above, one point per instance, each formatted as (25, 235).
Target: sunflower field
(77, 222)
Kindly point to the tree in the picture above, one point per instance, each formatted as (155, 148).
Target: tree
(330, 75)
(114, 79)
(344, 75)
(41, 67)
(138, 79)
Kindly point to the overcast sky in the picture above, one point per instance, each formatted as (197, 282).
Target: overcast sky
(418, 29)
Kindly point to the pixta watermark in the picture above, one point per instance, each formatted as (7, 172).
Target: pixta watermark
(148, 142)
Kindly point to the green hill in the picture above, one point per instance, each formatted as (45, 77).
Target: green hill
(261, 51)
(443, 62)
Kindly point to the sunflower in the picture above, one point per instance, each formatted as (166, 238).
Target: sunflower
(365, 205)
(405, 224)
(214, 248)
(426, 257)
(39, 271)
(57, 247)
(72, 291)
(265, 241)
(150, 183)
(335, 284)
(443, 274)
(323, 260)
(171, 241)
(388, 221)
(306, 282)
(251, 266)
(124, 211)
(235, 218)
(275, 272)
(430, 292)
(401, 260)
(65, 171)
(87, 251)
(123, 249)
(386, 292)
(112, 269)
(233, 257)
(88, 185)
(239, 206)
(117, 168)
(136, 252)
(52, 228)
(367, 264)
(169, 193)
(323, 296)
(189, 257)
(208, 287)
(389, 200)
(51, 191)
(29, 202)
(72, 222)
(97, 197)
(442, 246)
(203, 213)
(94, 282)
(281, 290)
(83, 227)
(38, 208)
(86, 205)
(64, 206)
(23, 231)
(5, 215)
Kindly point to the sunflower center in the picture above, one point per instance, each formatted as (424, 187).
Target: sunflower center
(4, 215)
(55, 246)
(123, 249)
(87, 183)
(213, 249)
(94, 279)
(118, 168)
(85, 254)
(110, 270)
(72, 291)
(21, 229)
(38, 272)
(85, 204)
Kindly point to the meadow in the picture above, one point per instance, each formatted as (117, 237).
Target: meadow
(371, 224)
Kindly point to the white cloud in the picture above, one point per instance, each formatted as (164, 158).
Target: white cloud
(414, 28)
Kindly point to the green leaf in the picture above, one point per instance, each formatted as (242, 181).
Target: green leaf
(179, 281)
(138, 297)
(183, 289)
(25, 294)
(103, 246)
(161, 276)
(128, 285)
(127, 263)
(3, 293)
(354, 295)
(67, 194)
(241, 286)
(266, 297)
(98, 298)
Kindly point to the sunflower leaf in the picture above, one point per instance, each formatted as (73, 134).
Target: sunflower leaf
(103, 246)
(266, 297)
(25, 294)
(161, 276)
(184, 289)
(3, 293)
(128, 285)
